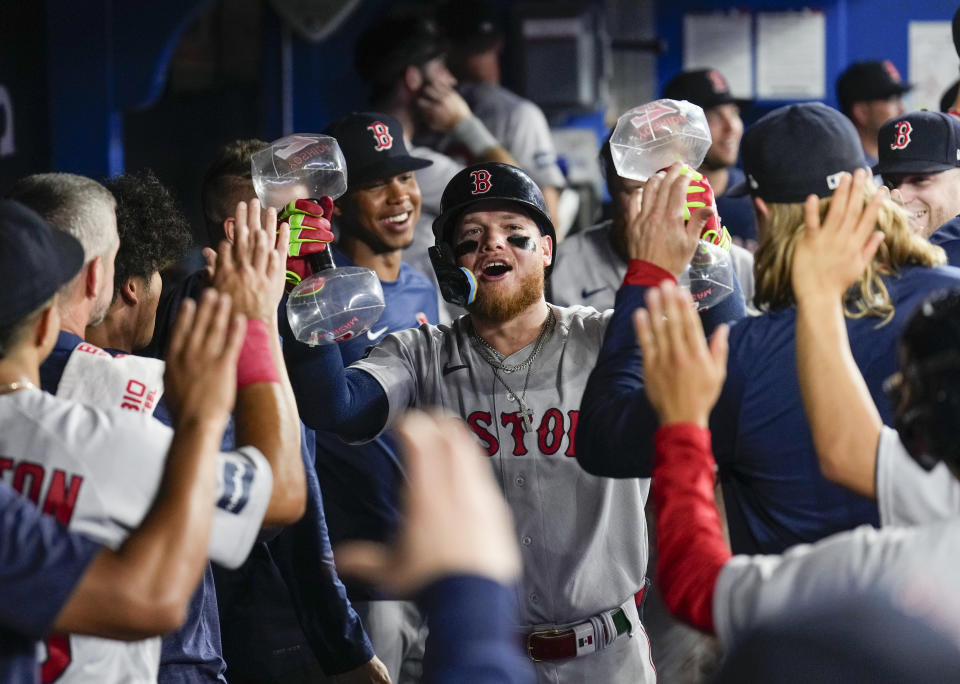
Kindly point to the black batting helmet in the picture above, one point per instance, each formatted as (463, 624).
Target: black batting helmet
(491, 182)
(926, 392)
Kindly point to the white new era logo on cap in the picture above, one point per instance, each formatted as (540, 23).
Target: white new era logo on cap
(833, 180)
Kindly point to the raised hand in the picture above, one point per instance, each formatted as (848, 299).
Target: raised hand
(682, 375)
(830, 256)
(656, 229)
(201, 374)
(251, 268)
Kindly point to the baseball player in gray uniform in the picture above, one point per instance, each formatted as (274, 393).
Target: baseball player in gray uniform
(915, 555)
(513, 369)
(593, 262)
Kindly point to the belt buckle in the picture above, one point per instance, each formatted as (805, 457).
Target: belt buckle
(540, 632)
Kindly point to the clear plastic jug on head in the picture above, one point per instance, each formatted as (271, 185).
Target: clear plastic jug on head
(333, 304)
(655, 135)
(650, 138)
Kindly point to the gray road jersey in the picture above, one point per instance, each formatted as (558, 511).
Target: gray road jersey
(899, 558)
(906, 493)
(919, 562)
(589, 272)
(583, 538)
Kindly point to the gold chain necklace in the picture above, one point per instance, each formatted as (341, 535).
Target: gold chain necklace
(495, 358)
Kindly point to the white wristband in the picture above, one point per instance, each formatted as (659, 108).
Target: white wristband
(472, 133)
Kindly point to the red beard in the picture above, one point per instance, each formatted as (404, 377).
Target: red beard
(492, 305)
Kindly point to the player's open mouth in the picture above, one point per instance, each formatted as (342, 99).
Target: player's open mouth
(494, 270)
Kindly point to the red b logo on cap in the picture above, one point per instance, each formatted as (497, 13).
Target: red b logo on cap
(716, 80)
(902, 139)
(381, 135)
(481, 182)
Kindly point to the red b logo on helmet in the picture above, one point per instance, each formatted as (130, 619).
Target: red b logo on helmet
(902, 139)
(481, 181)
(382, 136)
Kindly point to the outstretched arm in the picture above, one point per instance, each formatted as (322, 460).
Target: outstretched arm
(251, 270)
(829, 258)
(345, 401)
(617, 422)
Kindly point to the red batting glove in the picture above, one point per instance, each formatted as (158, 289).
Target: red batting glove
(309, 234)
(700, 194)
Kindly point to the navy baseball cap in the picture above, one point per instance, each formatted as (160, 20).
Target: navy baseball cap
(864, 81)
(373, 146)
(35, 260)
(918, 142)
(705, 88)
(796, 151)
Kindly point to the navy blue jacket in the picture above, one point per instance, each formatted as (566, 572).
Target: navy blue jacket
(774, 493)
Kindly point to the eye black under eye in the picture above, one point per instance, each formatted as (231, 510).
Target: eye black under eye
(522, 242)
(465, 247)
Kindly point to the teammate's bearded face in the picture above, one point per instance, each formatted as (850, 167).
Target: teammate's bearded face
(726, 129)
(382, 215)
(505, 250)
(930, 199)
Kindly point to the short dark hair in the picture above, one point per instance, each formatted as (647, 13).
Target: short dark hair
(228, 180)
(154, 233)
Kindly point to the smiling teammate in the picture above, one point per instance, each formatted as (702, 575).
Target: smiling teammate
(375, 222)
(920, 161)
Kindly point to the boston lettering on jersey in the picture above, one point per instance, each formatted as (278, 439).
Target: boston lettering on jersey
(553, 427)
(59, 496)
